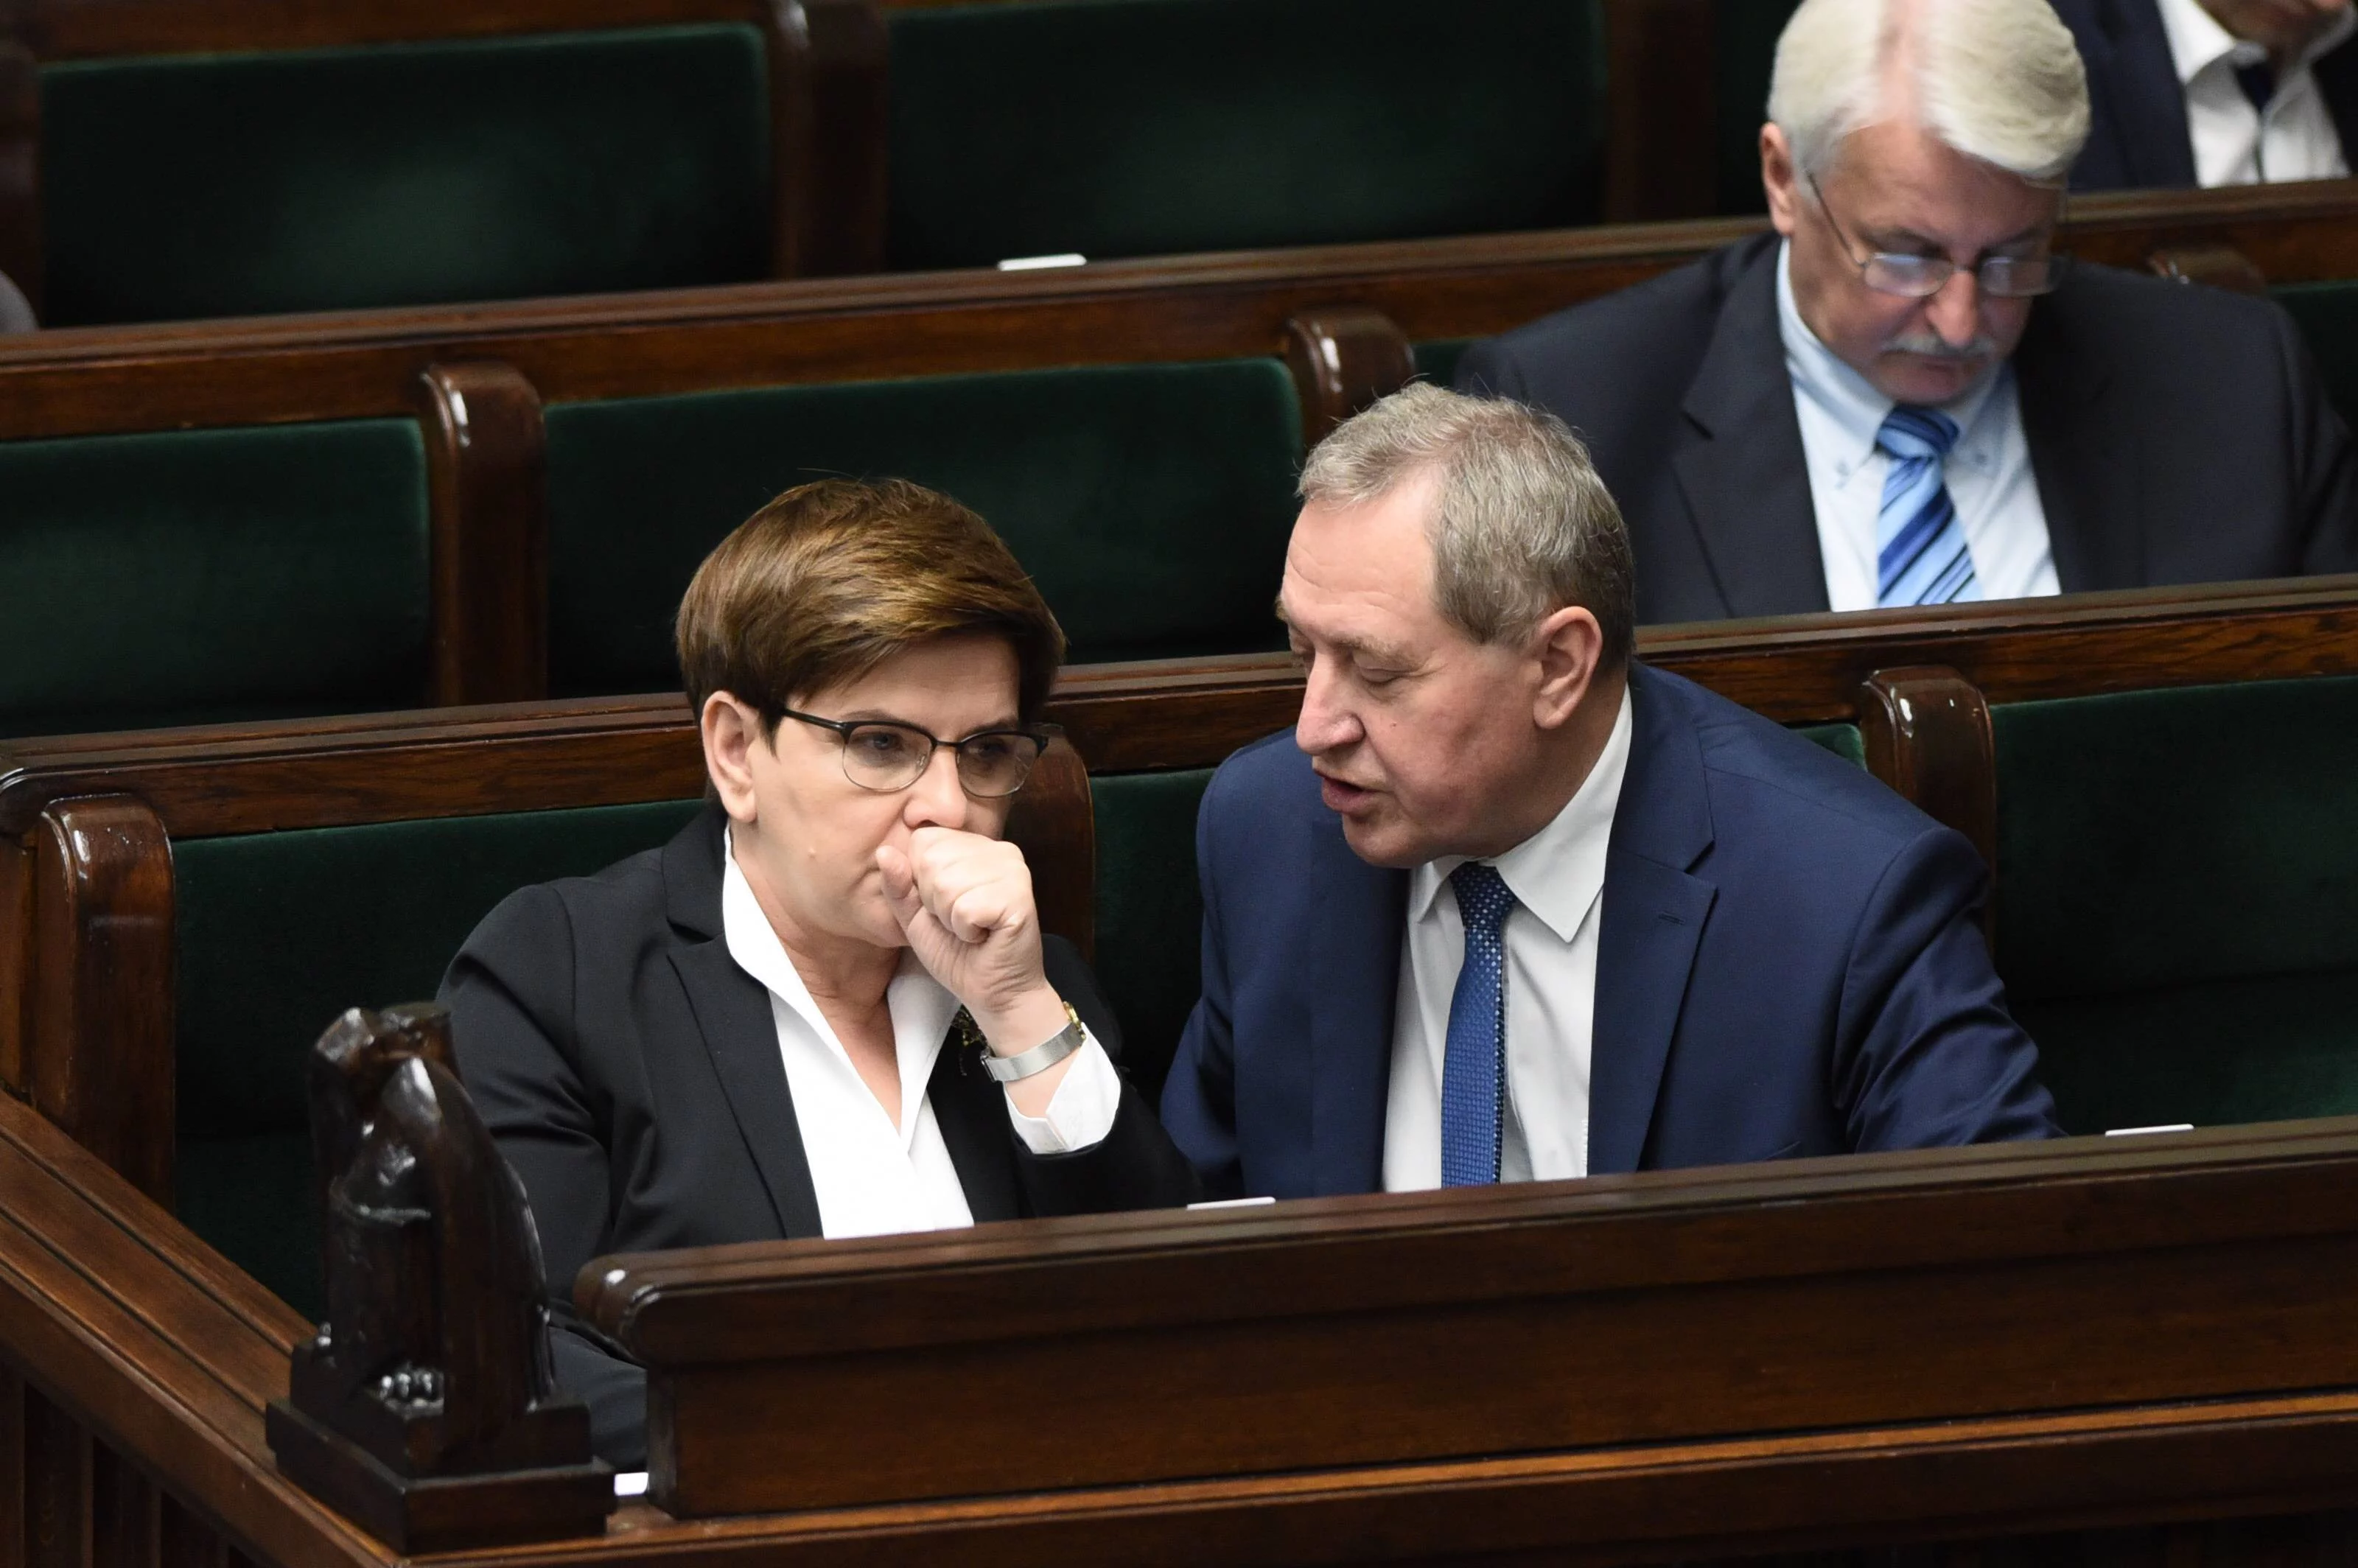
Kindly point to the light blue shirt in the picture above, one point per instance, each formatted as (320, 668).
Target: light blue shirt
(1988, 472)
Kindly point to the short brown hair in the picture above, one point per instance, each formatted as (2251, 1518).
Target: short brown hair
(831, 579)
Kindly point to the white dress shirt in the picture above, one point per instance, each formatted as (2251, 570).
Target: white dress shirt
(1557, 876)
(2234, 142)
(871, 1177)
(1987, 472)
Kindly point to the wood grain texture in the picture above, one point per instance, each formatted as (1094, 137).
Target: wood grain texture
(487, 471)
(1342, 361)
(15, 964)
(20, 171)
(57, 1452)
(101, 1062)
(830, 111)
(1928, 735)
(1876, 1290)
(363, 363)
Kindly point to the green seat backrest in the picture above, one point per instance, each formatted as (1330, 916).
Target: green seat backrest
(1151, 503)
(279, 933)
(2327, 314)
(1151, 912)
(1139, 127)
(185, 575)
(1437, 361)
(1744, 52)
(212, 185)
(2178, 900)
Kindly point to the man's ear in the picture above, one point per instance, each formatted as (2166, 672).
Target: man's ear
(1781, 179)
(1567, 647)
(730, 730)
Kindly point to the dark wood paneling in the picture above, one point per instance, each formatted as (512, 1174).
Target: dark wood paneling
(13, 1516)
(126, 1523)
(1053, 824)
(20, 171)
(15, 962)
(57, 1486)
(1928, 735)
(1342, 361)
(1661, 110)
(88, 30)
(355, 364)
(487, 463)
(102, 1063)
(830, 100)
(1876, 1290)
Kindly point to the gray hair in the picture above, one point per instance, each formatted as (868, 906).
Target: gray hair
(1999, 81)
(1521, 524)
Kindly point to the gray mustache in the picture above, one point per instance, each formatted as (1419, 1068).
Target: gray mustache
(1928, 345)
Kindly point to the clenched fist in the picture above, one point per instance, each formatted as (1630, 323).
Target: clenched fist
(964, 903)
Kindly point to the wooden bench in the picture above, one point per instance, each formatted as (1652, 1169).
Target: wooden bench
(1132, 430)
(174, 923)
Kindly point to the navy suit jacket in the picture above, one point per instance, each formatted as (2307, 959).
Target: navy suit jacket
(2138, 133)
(2177, 435)
(1790, 962)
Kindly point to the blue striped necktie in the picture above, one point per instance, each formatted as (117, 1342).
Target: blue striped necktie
(1919, 545)
(1474, 1065)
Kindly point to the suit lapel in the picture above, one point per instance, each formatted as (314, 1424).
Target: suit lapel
(1653, 918)
(1354, 983)
(971, 1110)
(732, 1012)
(1739, 460)
(2144, 100)
(2085, 463)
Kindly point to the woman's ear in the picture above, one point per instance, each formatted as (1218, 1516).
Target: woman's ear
(730, 730)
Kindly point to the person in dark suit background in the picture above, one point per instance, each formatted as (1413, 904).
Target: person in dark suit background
(826, 1008)
(2187, 92)
(1900, 395)
(1505, 904)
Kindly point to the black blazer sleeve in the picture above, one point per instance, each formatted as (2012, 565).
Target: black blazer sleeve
(2327, 493)
(510, 993)
(1135, 1165)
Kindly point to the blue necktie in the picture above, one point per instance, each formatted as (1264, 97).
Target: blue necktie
(1474, 1068)
(1919, 545)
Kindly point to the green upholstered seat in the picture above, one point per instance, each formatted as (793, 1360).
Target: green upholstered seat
(2178, 900)
(1136, 128)
(1744, 53)
(1151, 912)
(279, 933)
(2327, 314)
(1151, 503)
(184, 575)
(210, 185)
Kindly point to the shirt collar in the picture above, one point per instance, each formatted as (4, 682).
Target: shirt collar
(1557, 873)
(920, 1006)
(2197, 41)
(1846, 397)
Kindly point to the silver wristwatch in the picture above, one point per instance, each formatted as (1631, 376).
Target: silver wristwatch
(1040, 1059)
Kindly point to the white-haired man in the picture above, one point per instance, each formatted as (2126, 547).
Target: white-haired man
(1874, 405)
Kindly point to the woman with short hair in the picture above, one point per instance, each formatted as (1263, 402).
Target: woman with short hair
(826, 1008)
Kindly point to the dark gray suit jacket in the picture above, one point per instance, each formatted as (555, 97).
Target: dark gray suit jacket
(2137, 132)
(2178, 434)
(630, 1071)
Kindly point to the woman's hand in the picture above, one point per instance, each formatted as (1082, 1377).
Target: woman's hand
(964, 903)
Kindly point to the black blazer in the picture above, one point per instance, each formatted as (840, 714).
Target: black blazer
(2138, 133)
(2178, 434)
(630, 1071)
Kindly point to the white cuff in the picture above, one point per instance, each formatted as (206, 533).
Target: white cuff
(1081, 1111)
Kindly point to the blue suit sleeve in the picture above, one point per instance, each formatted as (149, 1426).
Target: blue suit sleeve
(1199, 1098)
(1928, 1055)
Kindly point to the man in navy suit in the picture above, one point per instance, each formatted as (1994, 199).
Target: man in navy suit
(2186, 93)
(1506, 905)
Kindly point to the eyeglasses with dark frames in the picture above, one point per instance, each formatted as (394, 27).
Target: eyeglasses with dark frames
(886, 755)
(1920, 277)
